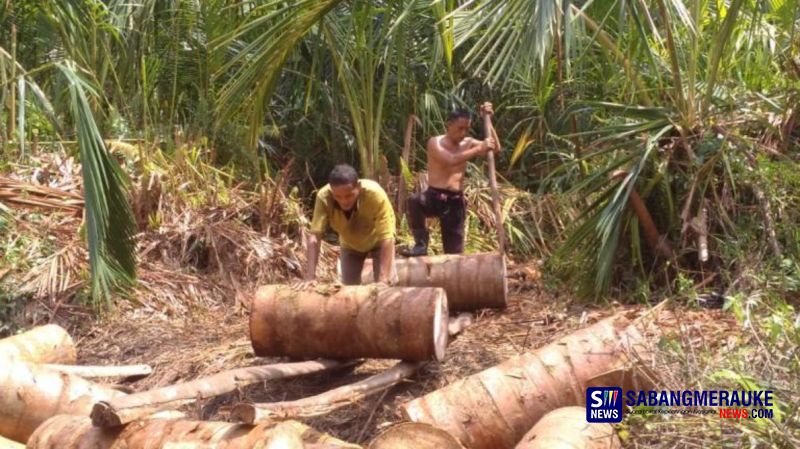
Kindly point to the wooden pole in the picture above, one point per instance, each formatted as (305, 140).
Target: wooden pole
(498, 214)
(118, 411)
(324, 403)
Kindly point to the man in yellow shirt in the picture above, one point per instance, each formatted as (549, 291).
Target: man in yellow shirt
(360, 212)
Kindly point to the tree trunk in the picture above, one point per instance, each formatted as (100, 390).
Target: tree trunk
(324, 403)
(349, 322)
(87, 371)
(43, 344)
(29, 395)
(413, 435)
(473, 281)
(496, 407)
(123, 410)
(77, 432)
(566, 428)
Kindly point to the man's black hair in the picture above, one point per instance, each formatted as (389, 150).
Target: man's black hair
(459, 113)
(343, 174)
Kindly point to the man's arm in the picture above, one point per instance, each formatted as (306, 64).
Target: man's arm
(387, 261)
(435, 151)
(312, 256)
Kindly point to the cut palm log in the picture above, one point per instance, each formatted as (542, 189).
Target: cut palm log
(76, 432)
(324, 403)
(42, 344)
(413, 435)
(566, 428)
(496, 407)
(87, 371)
(473, 281)
(346, 322)
(130, 408)
(29, 395)
(9, 444)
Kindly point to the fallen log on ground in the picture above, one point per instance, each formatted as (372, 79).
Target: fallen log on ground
(87, 371)
(125, 409)
(413, 435)
(566, 428)
(346, 322)
(493, 409)
(42, 344)
(473, 281)
(76, 432)
(29, 395)
(324, 403)
(9, 444)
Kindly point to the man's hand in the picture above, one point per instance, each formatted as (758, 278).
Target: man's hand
(489, 145)
(486, 108)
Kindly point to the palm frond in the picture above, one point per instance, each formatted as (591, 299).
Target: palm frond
(110, 225)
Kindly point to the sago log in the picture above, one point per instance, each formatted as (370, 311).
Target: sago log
(566, 428)
(414, 435)
(493, 409)
(408, 323)
(29, 395)
(471, 281)
(77, 432)
(42, 344)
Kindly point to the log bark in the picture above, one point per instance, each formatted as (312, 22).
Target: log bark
(29, 395)
(350, 321)
(496, 407)
(87, 371)
(472, 282)
(123, 410)
(42, 344)
(412, 435)
(5, 443)
(76, 432)
(566, 428)
(324, 403)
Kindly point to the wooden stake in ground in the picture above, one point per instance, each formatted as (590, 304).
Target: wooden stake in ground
(324, 403)
(496, 407)
(471, 281)
(130, 408)
(345, 322)
(42, 344)
(29, 395)
(77, 432)
(498, 213)
(87, 371)
(414, 435)
(566, 428)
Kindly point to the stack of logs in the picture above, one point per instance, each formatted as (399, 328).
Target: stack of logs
(531, 401)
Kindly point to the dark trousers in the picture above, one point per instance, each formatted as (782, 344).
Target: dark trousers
(351, 263)
(451, 209)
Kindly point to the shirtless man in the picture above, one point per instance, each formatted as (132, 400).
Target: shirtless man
(447, 160)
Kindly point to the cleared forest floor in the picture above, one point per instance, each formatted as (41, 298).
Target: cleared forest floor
(206, 341)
